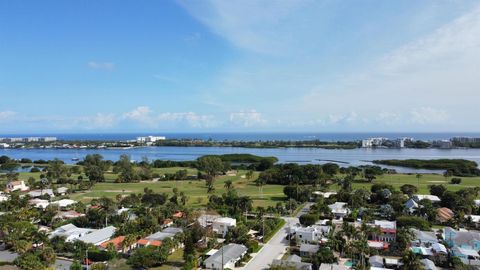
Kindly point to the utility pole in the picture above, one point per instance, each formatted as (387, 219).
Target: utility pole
(86, 257)
(222, 254)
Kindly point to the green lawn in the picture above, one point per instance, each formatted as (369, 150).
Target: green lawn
(271, 194)
(194, 189)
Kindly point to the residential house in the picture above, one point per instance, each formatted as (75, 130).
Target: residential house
(339, 209)
(70, 232)
(310, 234)
(294, 262)
(99, 236)
(64, 203)
(467, 256)
(39, 203)
(329, 266)
(130, 215)
(308, 250)
(167, 223)
(3, 197)
(376, 261)
(68, 215)
(432, 198)
(475, 219)
(221, 225)
(462, 238)
(145, 243)
(444, 214)
(428, 264)
(41, 192)
(118, 244)
(423, 238)
(387, 231)
(411, 206)
(228, 255)
(325, 195)
(62, 191)
(16, 185)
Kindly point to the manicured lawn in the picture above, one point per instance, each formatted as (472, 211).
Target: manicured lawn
(194, 189)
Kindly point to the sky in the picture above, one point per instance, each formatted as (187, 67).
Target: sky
(239, 65)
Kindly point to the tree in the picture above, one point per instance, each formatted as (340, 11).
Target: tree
(404, 238)
(324, 255)
(145, 257)
(411, 261)
(308, 219)
(29, 261)
(76, 265)
(418, 176)
(125, 169)
(455, 181)
(228, 184)
(211, 165)
(437, 190)
(249, 175)
(94, 167)
(409, 189)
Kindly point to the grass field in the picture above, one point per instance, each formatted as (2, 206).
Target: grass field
(271, 194)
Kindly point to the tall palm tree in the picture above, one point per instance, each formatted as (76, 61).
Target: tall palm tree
(411, 261)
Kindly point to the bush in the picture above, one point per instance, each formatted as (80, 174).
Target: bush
(413, 222)
(308, 219)
(455, 181)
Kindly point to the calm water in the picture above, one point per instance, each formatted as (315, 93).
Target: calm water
(256, 136)
(352, 157)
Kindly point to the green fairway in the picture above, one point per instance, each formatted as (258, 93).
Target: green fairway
(197, 192)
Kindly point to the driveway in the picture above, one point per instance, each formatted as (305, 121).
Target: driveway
(276, 247)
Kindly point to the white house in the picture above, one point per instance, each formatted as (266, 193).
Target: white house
(310, 234)
(39, 203)
(229, 254)
(339, 209)
(62, 191)
(411, 206)
(99, 236)
(70, 232)
(222, 225)
(432, 198)
(16, 185)
(39, 192)
(3, 197)
(64, 203)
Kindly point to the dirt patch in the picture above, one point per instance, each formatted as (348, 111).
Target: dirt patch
(437, 181)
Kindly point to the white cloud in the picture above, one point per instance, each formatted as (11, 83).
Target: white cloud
(101, 65)
(140, 114)
(427, 115)
(144, 115)
(247, 118)
(7, 115)
(102, 120)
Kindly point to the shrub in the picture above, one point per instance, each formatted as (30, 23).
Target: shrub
(455, 181)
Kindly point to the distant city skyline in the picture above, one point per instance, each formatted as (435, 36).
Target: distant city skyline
(229, 66)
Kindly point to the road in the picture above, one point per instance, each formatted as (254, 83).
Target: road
(277, 246)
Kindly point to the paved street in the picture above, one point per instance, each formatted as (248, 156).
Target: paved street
(276, 247)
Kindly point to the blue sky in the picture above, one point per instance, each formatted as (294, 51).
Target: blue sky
(333, 65)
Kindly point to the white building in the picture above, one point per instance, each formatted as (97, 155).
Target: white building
(339, 209)
(16, 185)
(99, 236)
(222, 225)
(70, 232)
(229, 254)
(150, 139)
(39, 203)
(432, 198)
(64, 203)
(310, 234)
(40, 192)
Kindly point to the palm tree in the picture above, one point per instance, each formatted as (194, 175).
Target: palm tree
(260, 183)
(129, 240)
(418, 180)
(411, 261)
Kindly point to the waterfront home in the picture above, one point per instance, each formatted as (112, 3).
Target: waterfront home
(293, 262)
(99, 236)
(41, 192)
(339, 209)
(387, 231)
(16, 185)
(462, 238)
(444, 214)
(226, 257)
(432, 198)
(308, 250)
(70, 232)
